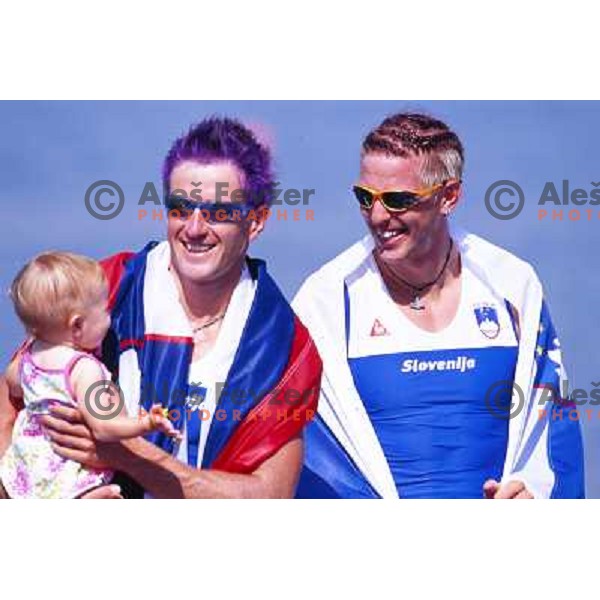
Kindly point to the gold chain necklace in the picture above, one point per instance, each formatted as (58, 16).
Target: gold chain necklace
(198, 329)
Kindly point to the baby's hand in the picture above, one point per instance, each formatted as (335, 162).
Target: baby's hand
(159, 420)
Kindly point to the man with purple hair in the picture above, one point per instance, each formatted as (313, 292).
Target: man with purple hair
(203, 329)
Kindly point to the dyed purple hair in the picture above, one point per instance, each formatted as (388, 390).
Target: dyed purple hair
(219, 139)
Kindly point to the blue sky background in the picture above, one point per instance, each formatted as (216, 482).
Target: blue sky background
(51, 152)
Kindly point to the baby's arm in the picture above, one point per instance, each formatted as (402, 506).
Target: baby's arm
(11, 401)
(111, 423)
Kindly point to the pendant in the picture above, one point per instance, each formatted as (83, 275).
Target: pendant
(417, 304)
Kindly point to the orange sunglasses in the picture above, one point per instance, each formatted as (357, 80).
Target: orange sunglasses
(393, 200)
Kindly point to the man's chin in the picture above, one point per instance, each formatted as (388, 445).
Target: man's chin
(395, 254)
(197, 274)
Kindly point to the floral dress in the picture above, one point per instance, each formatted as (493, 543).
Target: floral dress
(30, 468)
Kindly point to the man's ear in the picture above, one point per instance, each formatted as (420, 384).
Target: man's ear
(258, 220)
(451, 196)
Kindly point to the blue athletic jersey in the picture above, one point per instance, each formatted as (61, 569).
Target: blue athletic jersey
(425, 393)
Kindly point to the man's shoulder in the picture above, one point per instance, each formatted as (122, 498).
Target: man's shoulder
(115, 261)
(507, 275)
(114, 266)
(124, 256)
(485, 254)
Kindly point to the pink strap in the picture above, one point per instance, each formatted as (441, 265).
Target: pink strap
(24, 353)
(71, 365)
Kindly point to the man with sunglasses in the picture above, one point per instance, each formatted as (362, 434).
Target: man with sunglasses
(202, 329)
(437, 346)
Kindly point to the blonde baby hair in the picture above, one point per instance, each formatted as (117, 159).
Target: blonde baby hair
(52, 287)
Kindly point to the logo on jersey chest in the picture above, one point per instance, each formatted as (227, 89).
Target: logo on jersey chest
(378, 329)
(487, 319)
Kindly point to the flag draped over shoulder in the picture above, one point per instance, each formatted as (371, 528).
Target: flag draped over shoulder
(272, 388)
(343, 455)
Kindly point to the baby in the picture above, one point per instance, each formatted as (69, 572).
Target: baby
(61, 298)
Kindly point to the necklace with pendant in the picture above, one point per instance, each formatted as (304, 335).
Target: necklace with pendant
(417, 302)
